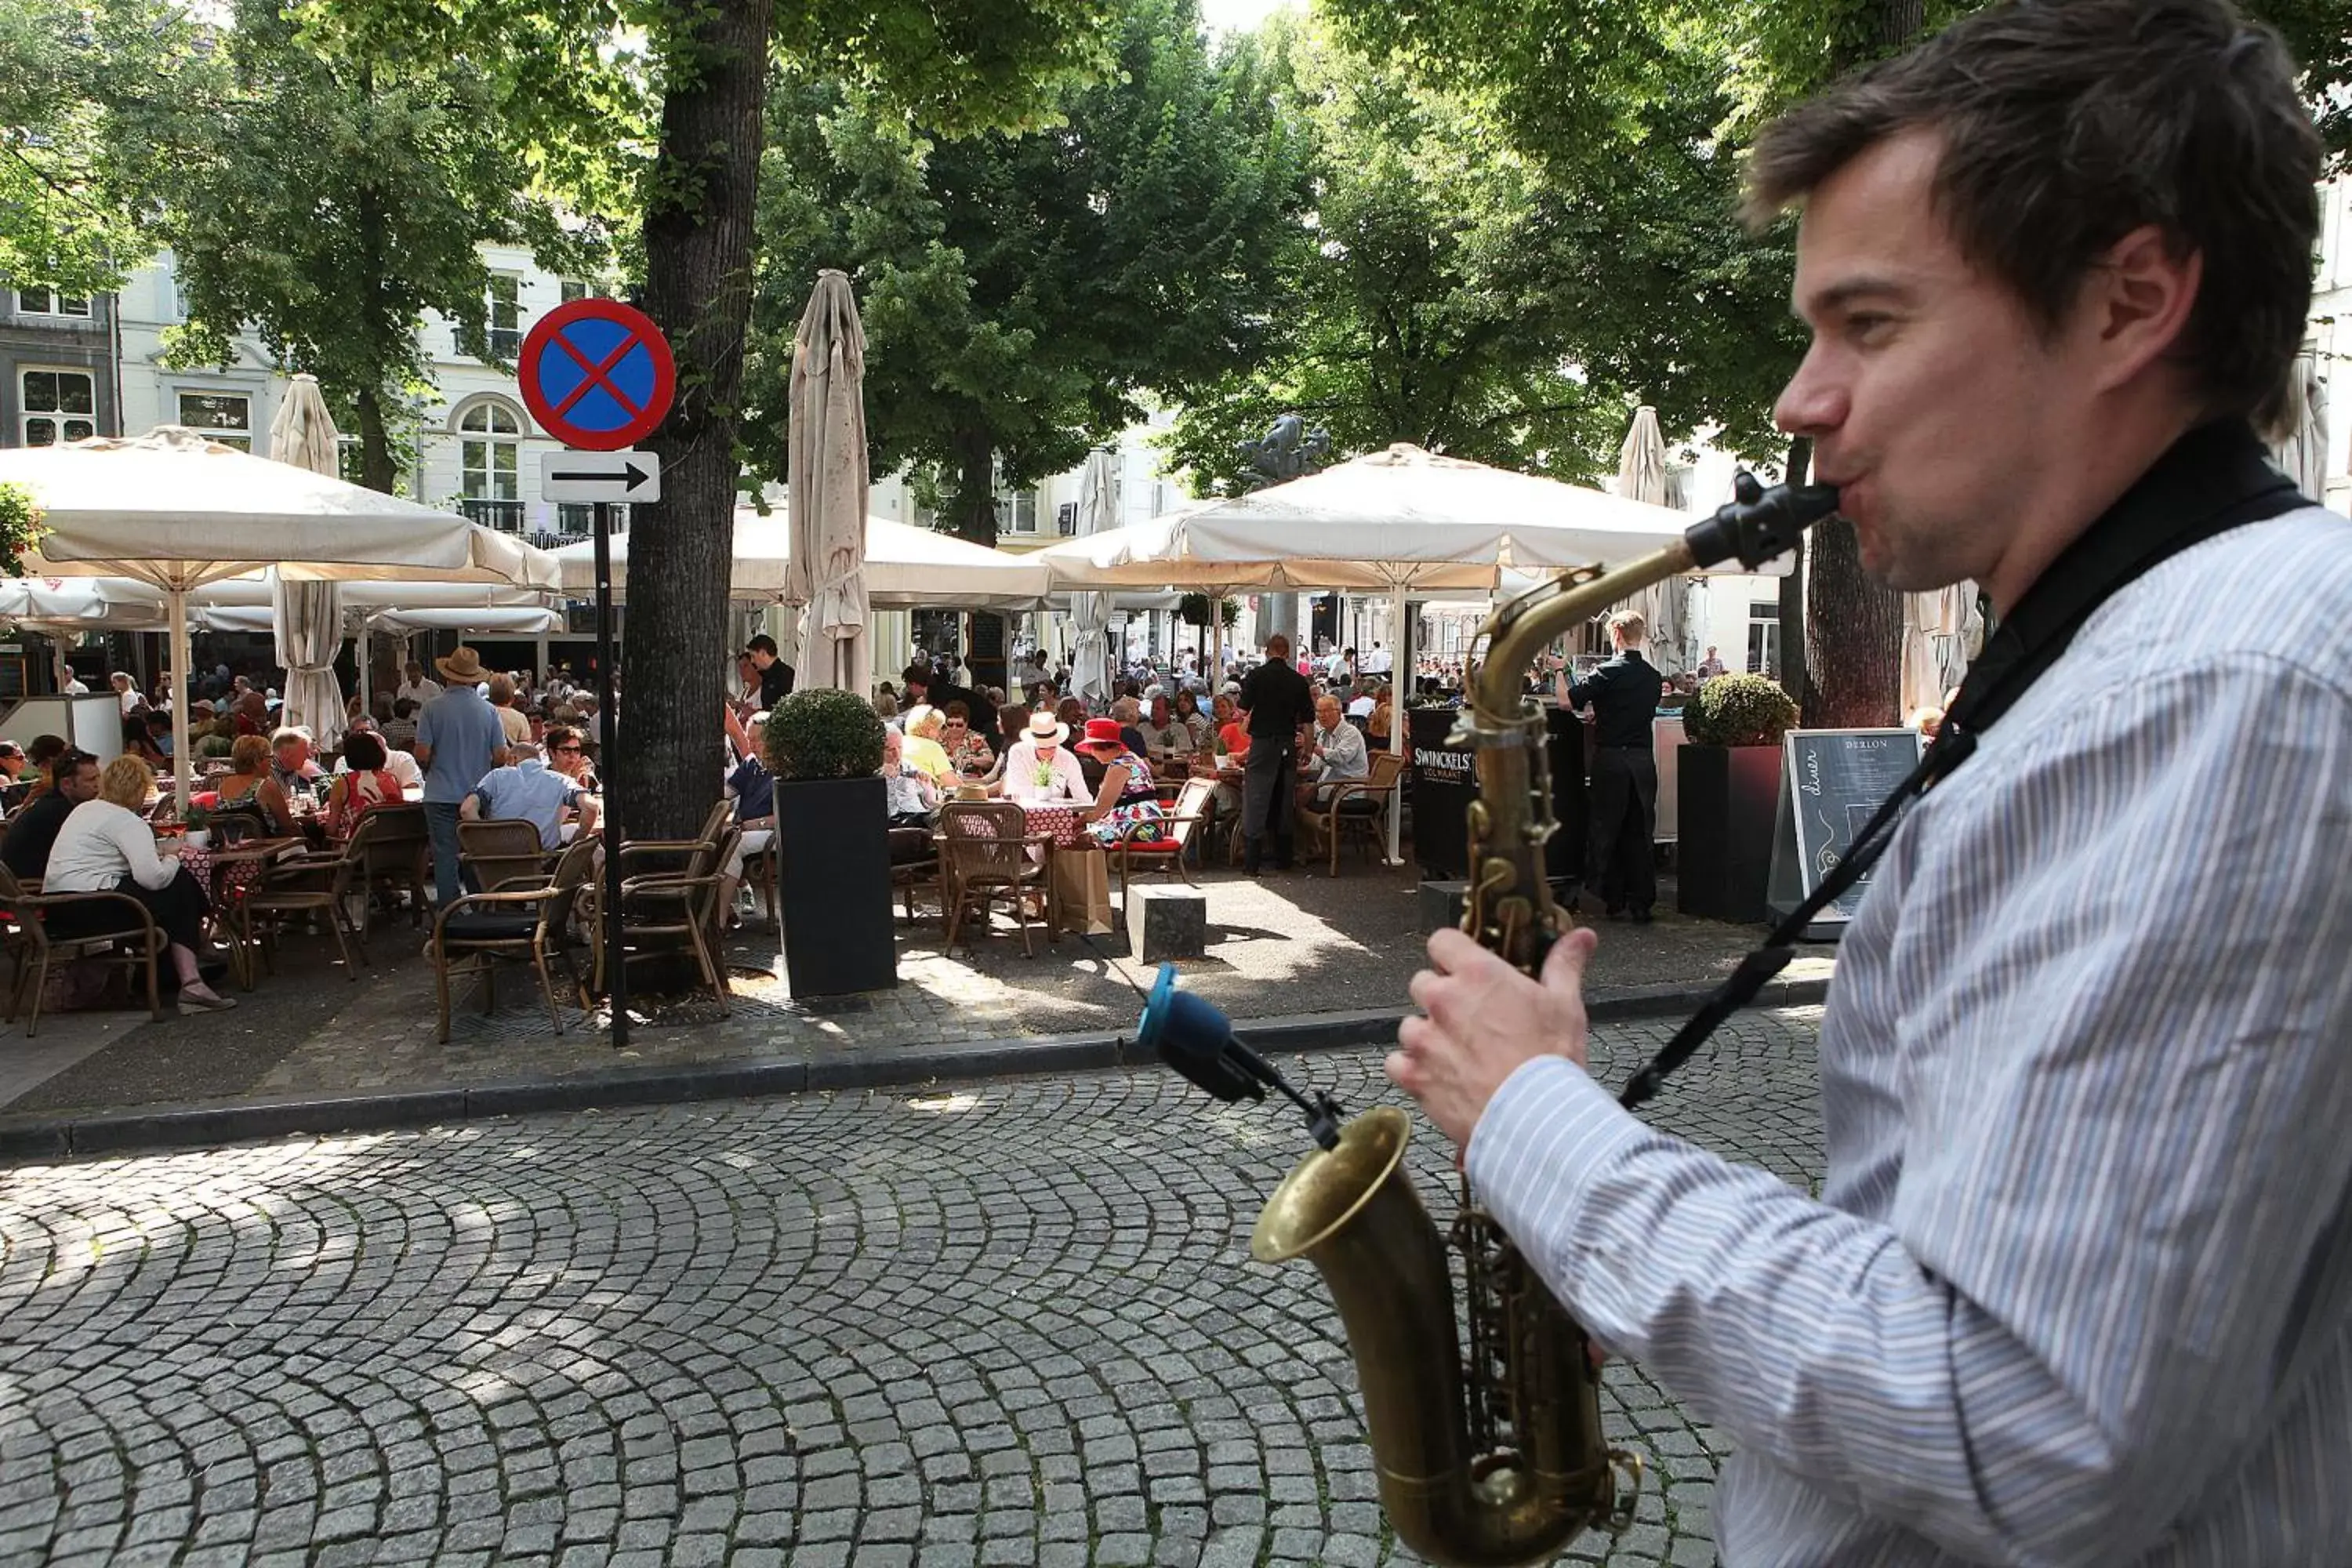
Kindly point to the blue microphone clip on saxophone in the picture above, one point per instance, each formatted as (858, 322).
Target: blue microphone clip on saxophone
(1192, 1035)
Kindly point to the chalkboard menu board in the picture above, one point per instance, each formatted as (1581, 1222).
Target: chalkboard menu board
(1834, 782)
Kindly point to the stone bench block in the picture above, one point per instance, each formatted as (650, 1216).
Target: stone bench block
(1164, 923)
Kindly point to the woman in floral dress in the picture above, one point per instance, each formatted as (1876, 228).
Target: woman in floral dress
(1127, 796)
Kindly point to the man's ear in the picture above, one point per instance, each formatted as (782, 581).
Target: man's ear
(2136, 303)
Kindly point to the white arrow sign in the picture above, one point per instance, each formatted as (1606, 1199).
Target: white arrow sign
(630, 476)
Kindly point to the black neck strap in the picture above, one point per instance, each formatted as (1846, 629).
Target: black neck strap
(2213, 480)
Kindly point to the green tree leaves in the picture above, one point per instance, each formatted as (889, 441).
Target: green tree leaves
(1024, 291)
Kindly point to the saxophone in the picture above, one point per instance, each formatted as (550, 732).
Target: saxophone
(1488, 1451)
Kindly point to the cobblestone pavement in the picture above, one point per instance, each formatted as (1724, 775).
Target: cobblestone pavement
(1013, 1323)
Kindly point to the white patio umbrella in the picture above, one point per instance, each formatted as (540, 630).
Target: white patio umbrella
(904, 566)
(1090, 611)
(1642, 477)
(827, 475)
(178, 511)
(2302, 456)
(307, 617)
(1403, 520)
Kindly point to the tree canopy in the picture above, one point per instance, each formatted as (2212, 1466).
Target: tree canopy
(1023, 290)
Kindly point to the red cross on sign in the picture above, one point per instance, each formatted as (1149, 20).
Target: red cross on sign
(597, 374)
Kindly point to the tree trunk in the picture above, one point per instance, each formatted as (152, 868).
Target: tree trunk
(1854, 626)
(973, 514)
(697, 238)
(377, 470)
(1791, 674)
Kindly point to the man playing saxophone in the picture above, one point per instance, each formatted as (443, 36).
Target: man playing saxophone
(2078, 1287)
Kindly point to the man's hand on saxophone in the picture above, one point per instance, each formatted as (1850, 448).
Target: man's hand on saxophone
(1484, 1020)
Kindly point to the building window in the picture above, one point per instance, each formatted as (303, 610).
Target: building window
(351, 458)
(506, 315)
(1764, 638)
(578, 519)
(223, 416)
(1017, 513)
(574, 288)
(57, 405)
(489, 454)
(50, 303)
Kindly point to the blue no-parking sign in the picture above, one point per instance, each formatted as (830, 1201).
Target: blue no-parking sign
(597, 374)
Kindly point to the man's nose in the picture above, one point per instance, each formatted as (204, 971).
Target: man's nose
(1816, 399)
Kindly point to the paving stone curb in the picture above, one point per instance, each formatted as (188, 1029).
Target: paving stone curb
(38, 1139)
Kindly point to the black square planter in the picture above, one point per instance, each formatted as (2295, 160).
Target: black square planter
(1723, 852)
(834, 886)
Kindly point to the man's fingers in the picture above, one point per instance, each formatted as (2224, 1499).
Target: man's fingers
(1452, 951)
(1564, 967)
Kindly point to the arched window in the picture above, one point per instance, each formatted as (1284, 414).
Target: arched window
(489, 453)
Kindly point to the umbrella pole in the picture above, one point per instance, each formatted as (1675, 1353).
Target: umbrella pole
(1400, 677)
(175, 600)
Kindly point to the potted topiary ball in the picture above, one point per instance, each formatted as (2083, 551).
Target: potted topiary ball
(833, 894)
(1729, 783)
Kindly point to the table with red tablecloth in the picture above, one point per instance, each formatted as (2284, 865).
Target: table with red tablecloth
(225, 872)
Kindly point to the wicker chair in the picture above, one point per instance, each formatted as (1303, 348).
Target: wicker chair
(502, 850)
(517, 923)
(661, 910)
(1162, 845)
(137, 946)
(984, 856)
(1357, 809)
(399, 851)
(308, 885)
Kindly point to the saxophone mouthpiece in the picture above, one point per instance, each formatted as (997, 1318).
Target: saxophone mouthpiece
(1757, 523)
(1192, 1035)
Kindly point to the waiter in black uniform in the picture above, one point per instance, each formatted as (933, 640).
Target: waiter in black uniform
(1624, 695)
(1280, 705)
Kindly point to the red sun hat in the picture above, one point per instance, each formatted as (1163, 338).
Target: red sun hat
(1102, 732)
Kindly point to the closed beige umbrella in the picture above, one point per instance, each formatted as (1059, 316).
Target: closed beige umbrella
(308, 618)
(1642, 477)
(827, 474)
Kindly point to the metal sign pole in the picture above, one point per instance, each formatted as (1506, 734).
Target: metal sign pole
(608, 775)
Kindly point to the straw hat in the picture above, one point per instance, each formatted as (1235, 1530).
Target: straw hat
(464, 667)
(1046, 730)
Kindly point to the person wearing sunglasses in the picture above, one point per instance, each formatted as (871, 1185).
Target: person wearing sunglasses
(568, 754)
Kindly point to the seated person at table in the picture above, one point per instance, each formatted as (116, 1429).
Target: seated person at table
(1127, 796)
(1012, 722)
(914, 798)
(290, 762)
(1129, 712)
(530, 791)
(1164, 736)
(43, 755)
(147, 735)
(923, 726)
(398, 763)
(34, 830)
(254, 784)
(753, 790)
(1232, 730)
(364, 783)
(967, 749)
(107, 847)
(1335, 756)
(1038, 769)
(567, 754)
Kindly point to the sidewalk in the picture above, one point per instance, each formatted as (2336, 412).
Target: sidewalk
(1305, 962)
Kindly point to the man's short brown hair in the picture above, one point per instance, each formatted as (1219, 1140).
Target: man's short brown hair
(2067, 126)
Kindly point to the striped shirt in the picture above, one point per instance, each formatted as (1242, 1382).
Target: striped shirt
(2078, 1288)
